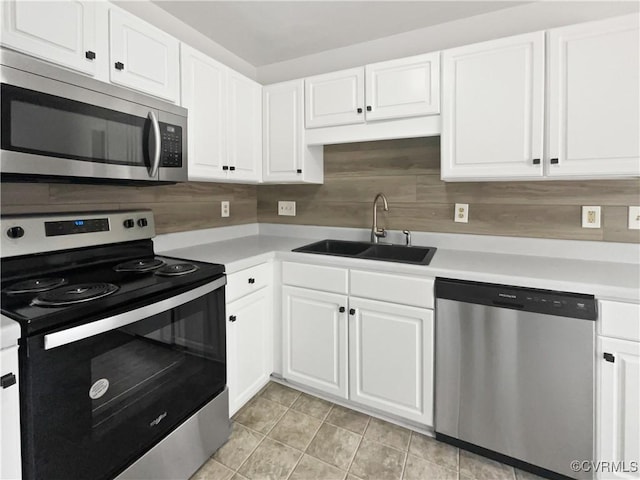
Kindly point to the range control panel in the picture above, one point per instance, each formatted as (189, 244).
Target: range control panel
(171, 141)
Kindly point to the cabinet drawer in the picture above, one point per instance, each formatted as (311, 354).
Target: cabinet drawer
(620, 320)
(402, 289)
(246, 281)
(329, 279)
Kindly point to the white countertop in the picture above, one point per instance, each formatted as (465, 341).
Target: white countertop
(9, 332)
(605, 280)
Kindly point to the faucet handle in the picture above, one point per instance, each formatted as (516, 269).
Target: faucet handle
(381, 233)
(407, 234)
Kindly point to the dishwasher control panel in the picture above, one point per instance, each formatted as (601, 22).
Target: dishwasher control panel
(550, 302)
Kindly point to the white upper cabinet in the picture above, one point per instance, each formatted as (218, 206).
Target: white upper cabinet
(244, 123)
(407, 87)
(594, 99)
(493, 109)
(63, 32)
(335, 98)
(204, 90)
(285, 156)
(143, 57)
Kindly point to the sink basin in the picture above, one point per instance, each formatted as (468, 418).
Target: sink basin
(400, 253)
(387, 253)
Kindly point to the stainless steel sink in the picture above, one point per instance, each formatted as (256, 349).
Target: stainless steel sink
(387, 253)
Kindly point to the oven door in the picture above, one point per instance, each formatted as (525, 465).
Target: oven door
(95, 397)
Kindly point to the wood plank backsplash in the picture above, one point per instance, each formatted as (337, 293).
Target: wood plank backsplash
(408, 173)
(180, 207)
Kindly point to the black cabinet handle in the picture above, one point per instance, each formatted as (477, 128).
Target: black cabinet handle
(359, 110)
(119, 66)
(90, 55)
(352, 311)
(368, 108)
(536, 161)
(225, 167)
(252, 281)
(341, 309)
(609, 357)
(232, 168)
(299, 170)
(232, 318)
(554, 161)
(7, 380)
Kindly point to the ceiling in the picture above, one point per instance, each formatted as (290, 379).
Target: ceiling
(266, 32)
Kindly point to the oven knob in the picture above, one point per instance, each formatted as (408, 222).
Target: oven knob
(128, 223)
(142, 222)
(15, 232)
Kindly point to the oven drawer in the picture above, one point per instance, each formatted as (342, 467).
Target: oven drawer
(246, 281)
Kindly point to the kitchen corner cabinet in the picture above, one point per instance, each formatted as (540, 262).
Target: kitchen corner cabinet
(63, 32)
(143, 57)
(618, 363)
(286, 158)
(493, 109)
(10, 466)
(249, 333)
(594, 99)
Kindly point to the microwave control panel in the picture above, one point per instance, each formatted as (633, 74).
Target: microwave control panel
(171, 140)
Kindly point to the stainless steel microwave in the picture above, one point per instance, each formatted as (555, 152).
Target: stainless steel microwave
(57, 124)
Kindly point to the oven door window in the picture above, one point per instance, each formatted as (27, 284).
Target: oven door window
(99, 403)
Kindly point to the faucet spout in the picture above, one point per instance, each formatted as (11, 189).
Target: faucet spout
(377, 233)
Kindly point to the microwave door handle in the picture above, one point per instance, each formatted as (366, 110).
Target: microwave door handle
(91, 329)
(155, 161)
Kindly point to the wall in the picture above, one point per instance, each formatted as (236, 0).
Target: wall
(530, 17)
(408, 172)
(179, 207)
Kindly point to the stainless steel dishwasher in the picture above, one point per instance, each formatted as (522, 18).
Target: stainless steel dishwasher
(515, 374)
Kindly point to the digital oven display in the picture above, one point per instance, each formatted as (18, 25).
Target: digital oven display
(71, 227)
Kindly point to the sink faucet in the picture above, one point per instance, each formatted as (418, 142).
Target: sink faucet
(376, 232)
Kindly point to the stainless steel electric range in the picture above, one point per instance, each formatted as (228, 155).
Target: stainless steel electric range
(122, 352)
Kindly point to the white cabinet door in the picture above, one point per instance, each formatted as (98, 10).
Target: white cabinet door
(391, 358)
(619, 405)
(244, 152)
(143, 57)
(407, 87)
(10, 466)
(204, 83)
(335, 98)
(61, 31)
(315, 339)
(492, 109)
(249, 347)
(594, 99)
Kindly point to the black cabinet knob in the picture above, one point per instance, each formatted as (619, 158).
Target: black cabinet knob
(341, 309)
(536, 161)
(352, 311)
(128, 223)
(609, 357)
(225, 167)
(232, 318)
(7, 380)
(142, 222)
(252, 281)
(554, 161)
(15, 232)
(90, 55)
(232, 168)
(359, 110)
(119, 66)
(368, 108)
(299, 170)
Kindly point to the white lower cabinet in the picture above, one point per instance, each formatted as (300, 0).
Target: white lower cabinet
(391, 358)
(9, 417)
(315, 339)
(249, 339)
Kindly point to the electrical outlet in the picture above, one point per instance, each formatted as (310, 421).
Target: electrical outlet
(224, 209)
(287, 208)
(591, 217)
(634, 218)
(461, 213)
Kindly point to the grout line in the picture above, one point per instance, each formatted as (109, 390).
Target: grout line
(359, 444)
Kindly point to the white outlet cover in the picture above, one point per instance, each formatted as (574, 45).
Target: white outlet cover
(591, 216)
(461, 213)
(287, 209)
(224, 209)
(634, 218)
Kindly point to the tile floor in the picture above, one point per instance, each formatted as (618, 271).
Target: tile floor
(285, 434)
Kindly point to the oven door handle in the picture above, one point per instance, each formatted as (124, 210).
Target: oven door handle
(74, 334)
